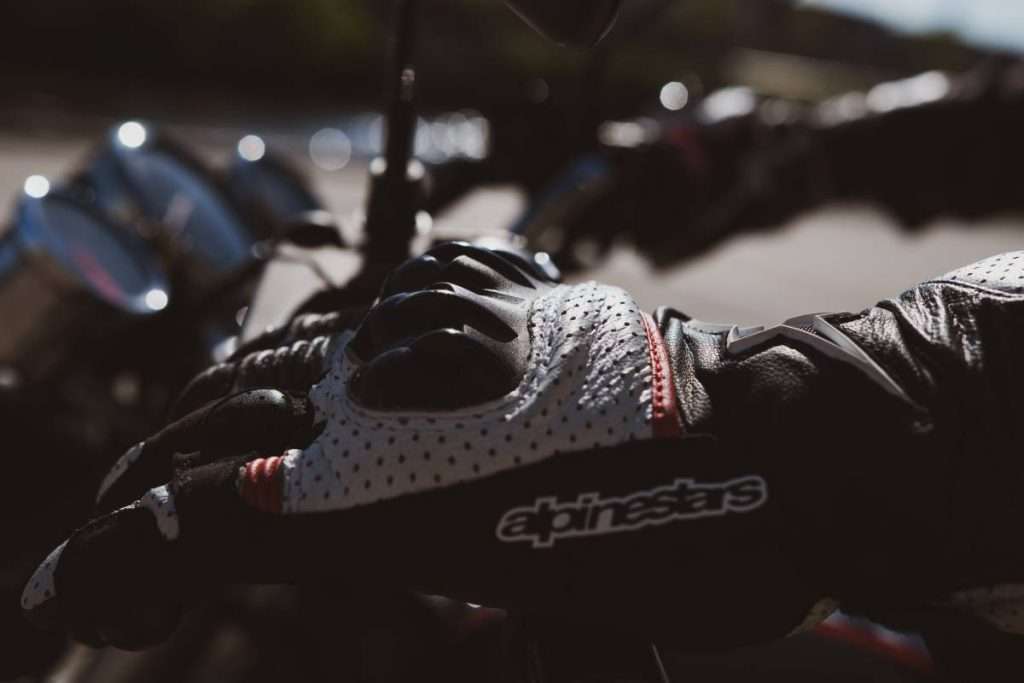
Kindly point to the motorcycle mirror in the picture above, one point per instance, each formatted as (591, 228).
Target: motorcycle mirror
(69, 276)
(580, 23)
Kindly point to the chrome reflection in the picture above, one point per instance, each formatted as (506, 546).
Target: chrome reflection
(252, 148)
(37, 186)
(330, 149)
(132, 134)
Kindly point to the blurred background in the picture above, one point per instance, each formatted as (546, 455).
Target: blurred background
(213, 71)
(244, 60)
(730, 108)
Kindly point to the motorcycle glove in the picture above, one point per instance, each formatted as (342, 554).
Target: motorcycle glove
(492, 436)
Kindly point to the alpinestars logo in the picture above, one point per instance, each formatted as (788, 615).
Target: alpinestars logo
(549, 520)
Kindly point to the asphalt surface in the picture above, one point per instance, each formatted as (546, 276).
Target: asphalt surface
(840, 258)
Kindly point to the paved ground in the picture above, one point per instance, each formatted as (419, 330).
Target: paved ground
(837, 259)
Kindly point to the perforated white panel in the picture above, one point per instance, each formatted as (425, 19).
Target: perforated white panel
(588, 385)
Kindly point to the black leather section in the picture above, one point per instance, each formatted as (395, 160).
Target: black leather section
(688, 581)
(264, 421)
(450, 331)
(968, 339)
(710, 582)
(888, 502)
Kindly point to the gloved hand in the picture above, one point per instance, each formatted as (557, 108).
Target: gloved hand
(490, 436)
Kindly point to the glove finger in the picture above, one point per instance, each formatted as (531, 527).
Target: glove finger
(115, 579)
(306, 326)
(212, 383)
(294, 367)
(125, 578)
(264, 420)
(452, 370)
(469, 266)
(289, 357)
(404, 316)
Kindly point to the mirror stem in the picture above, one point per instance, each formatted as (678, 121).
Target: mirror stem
(394, 195)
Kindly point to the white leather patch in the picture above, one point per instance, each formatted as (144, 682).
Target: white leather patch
(160, 501)
(588, 385)
(1003, 272)
(41, 586)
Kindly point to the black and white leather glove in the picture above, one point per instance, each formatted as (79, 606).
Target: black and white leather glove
(492, 436)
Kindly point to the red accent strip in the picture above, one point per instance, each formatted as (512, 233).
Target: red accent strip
(260, 484)
(903, 652)
(665, 419)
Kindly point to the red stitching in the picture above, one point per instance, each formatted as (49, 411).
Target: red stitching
(665, 420)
